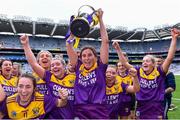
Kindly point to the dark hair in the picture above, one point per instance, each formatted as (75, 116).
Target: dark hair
(2, 61)
(159, 56)
(30, 76)
(91, 48)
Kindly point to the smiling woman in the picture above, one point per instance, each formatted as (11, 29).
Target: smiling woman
(90, 83)
(27, 103)
(56, 75)
(151, 79)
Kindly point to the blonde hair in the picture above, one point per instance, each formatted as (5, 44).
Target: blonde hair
(19, 67)
(151, 57)
(38, 55)
(60, 58)
(112, 66)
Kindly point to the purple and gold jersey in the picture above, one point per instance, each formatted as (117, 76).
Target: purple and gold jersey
(41, 84)
(112, 93)
(126, 97)
(90, 88)
(152, 85)
(54, 85)
(9, 86)
(39, 106)
(113, 97)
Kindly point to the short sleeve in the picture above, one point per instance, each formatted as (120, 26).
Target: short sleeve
(50, 103)
(47, 76)
(102, 66)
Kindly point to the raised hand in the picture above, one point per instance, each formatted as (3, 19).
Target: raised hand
(175, 32)
(115, 45)
(133, 72)
(24, 39)
(70, 39)
(63, 93)
(99, 13)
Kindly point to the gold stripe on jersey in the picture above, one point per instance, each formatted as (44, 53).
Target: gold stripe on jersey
(12, 82)
(12, 99)
(85, 72)
(40, 97)
(116, 88)
(38, 79)
(33, 110)
(155, 73)
(127, 79)
(67, 81)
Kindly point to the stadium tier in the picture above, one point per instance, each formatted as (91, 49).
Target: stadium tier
(47, 35)
(47, 27)
(11, 48)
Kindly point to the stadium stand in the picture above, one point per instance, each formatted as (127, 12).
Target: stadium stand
(47, 35)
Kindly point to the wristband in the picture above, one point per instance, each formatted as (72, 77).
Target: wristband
(70, 41)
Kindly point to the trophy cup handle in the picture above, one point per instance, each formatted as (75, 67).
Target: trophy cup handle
(86, 6)
(81, 25)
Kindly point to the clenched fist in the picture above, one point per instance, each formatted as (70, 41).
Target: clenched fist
(63, 93)
(24, 39)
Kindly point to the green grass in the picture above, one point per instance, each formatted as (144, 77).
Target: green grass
(175, 114)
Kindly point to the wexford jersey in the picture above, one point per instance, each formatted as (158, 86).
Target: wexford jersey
(90, 88)
(152, 85)
(126, 97)
(54, 85)
(37, 108)
(40, 84)
(113, 95)
(9, 85)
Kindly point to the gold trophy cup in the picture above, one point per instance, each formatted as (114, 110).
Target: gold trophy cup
(84, 21)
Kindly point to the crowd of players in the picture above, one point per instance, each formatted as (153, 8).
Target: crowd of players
(87, 87)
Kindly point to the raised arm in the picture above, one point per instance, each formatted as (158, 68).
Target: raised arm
(30, 57)
(72, 54)
(2, 94)
(64, 96)
(122, 58)
(135, 87)
(172, 49)
(104, 50)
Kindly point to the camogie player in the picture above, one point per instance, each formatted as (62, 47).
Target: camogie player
(170, 86)
(151, 79)
(7, 81)
(56, 78)
(16, 69)
(44, 58)
(90, 83)
(29, 104)
(116, 88)
(126, 97)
